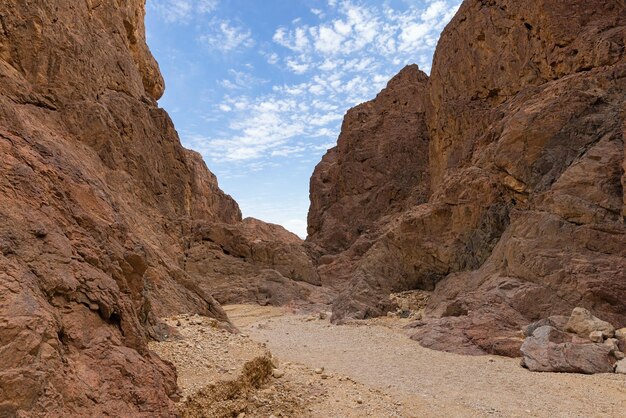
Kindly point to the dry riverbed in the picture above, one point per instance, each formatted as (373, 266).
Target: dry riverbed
(366, 368)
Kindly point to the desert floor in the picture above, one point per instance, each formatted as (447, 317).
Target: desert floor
(364, 368)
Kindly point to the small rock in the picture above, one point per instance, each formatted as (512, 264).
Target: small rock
(319, 370)
(277, 373)
(325, 376)
(241, 415)
(583, 323)
(613, 343)
(323, 315)
(359, 401)
(618, 355)
(596, 336)
(620, 334)
(178, 323)
(620, 367)
(275, 362)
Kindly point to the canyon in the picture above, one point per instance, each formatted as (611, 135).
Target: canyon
(491, 190)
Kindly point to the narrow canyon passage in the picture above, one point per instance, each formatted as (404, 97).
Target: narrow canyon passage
(377, 354)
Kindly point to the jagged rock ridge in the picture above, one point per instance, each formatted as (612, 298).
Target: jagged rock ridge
(525, 116)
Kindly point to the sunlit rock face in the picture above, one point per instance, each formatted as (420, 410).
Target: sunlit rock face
(520, 209)
(100, 207)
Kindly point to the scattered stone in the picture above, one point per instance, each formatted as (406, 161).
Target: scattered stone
(278, 373)
(618, 355)
(319, 370)
(583, 323)
(620, 367)
(596, 337)
(612, 344)
(620, 334)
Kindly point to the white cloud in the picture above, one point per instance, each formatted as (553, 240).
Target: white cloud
(181, 11)
(344, 60)
(225, 36)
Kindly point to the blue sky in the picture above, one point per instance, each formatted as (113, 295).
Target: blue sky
(260, 87)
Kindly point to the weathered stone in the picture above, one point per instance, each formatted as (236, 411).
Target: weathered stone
(620, 335)
(621, 367)
(583, 323)
(596, 337)
(557, 321)
(550, 350)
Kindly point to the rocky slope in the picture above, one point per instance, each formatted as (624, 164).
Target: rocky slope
(524, 115)
(101, 209)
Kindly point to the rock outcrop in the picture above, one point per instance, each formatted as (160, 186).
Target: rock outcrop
(581, 344)
(378, 168)
(98, 204)
(525, 123)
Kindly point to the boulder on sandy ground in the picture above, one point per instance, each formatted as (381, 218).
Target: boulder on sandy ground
(620, 367)
(551, 350)
(583, 323)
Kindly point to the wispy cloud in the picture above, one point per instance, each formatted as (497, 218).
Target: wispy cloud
(226, 36)
(182, 11)
(344, 60)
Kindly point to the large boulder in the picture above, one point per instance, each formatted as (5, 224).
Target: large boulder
(551, 350)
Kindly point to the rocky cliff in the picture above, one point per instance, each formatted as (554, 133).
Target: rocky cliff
(101, 215)
(524, 119)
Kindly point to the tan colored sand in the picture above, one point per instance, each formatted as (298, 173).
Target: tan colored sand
(371, 369)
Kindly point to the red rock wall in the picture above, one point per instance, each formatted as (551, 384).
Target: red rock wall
(525, 216)
(97, 196)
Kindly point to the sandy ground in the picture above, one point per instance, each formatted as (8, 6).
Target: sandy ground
(371, 368)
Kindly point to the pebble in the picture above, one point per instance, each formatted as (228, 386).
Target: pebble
(596, 336)
(319, 370)
(277, 373)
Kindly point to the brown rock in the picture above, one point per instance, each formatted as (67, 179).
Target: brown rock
(98, 201)
(584, 324)
(378, 168)
(620, 335)
(550, 350)
(524, 219)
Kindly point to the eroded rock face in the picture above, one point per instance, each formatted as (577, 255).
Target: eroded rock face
(98, 201)
(525, 214)
(378, 168)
